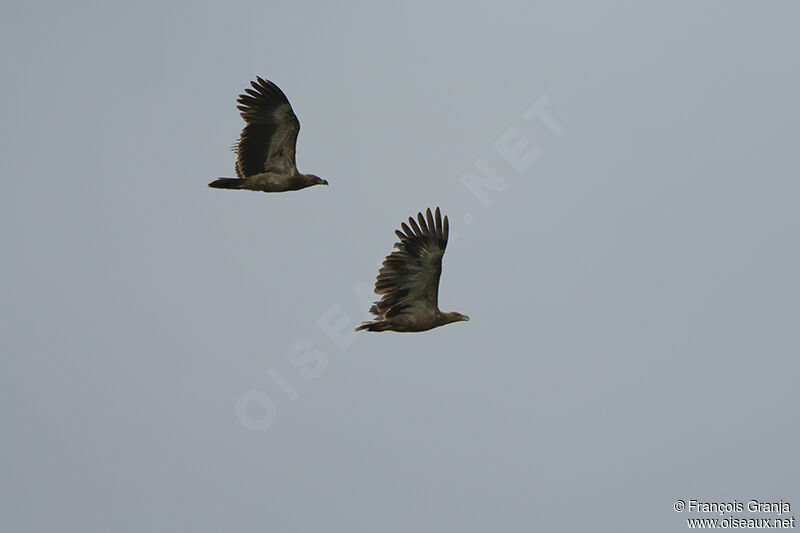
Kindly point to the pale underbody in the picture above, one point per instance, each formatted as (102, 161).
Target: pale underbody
(272, 182)
(407, 323)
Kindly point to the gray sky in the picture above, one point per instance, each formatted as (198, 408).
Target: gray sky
(630, 272)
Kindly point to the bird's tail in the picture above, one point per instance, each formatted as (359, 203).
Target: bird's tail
(227, 183)
(378, 325)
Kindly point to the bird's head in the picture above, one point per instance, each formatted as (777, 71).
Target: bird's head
(455, 317)
(317, 180)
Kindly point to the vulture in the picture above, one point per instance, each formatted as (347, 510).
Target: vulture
(408, 280)
(265, 151)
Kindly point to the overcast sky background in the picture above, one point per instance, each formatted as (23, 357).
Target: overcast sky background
(633, 290)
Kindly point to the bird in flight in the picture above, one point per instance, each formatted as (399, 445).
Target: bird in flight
(408, 280)
(265, 151)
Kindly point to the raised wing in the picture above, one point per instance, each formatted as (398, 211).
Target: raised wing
(409, 277)
(267, 142)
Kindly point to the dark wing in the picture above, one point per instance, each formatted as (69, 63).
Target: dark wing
(268, 141)
(409, 277)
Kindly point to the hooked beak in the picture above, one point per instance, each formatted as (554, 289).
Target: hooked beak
(324, 182)
(465, 318)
